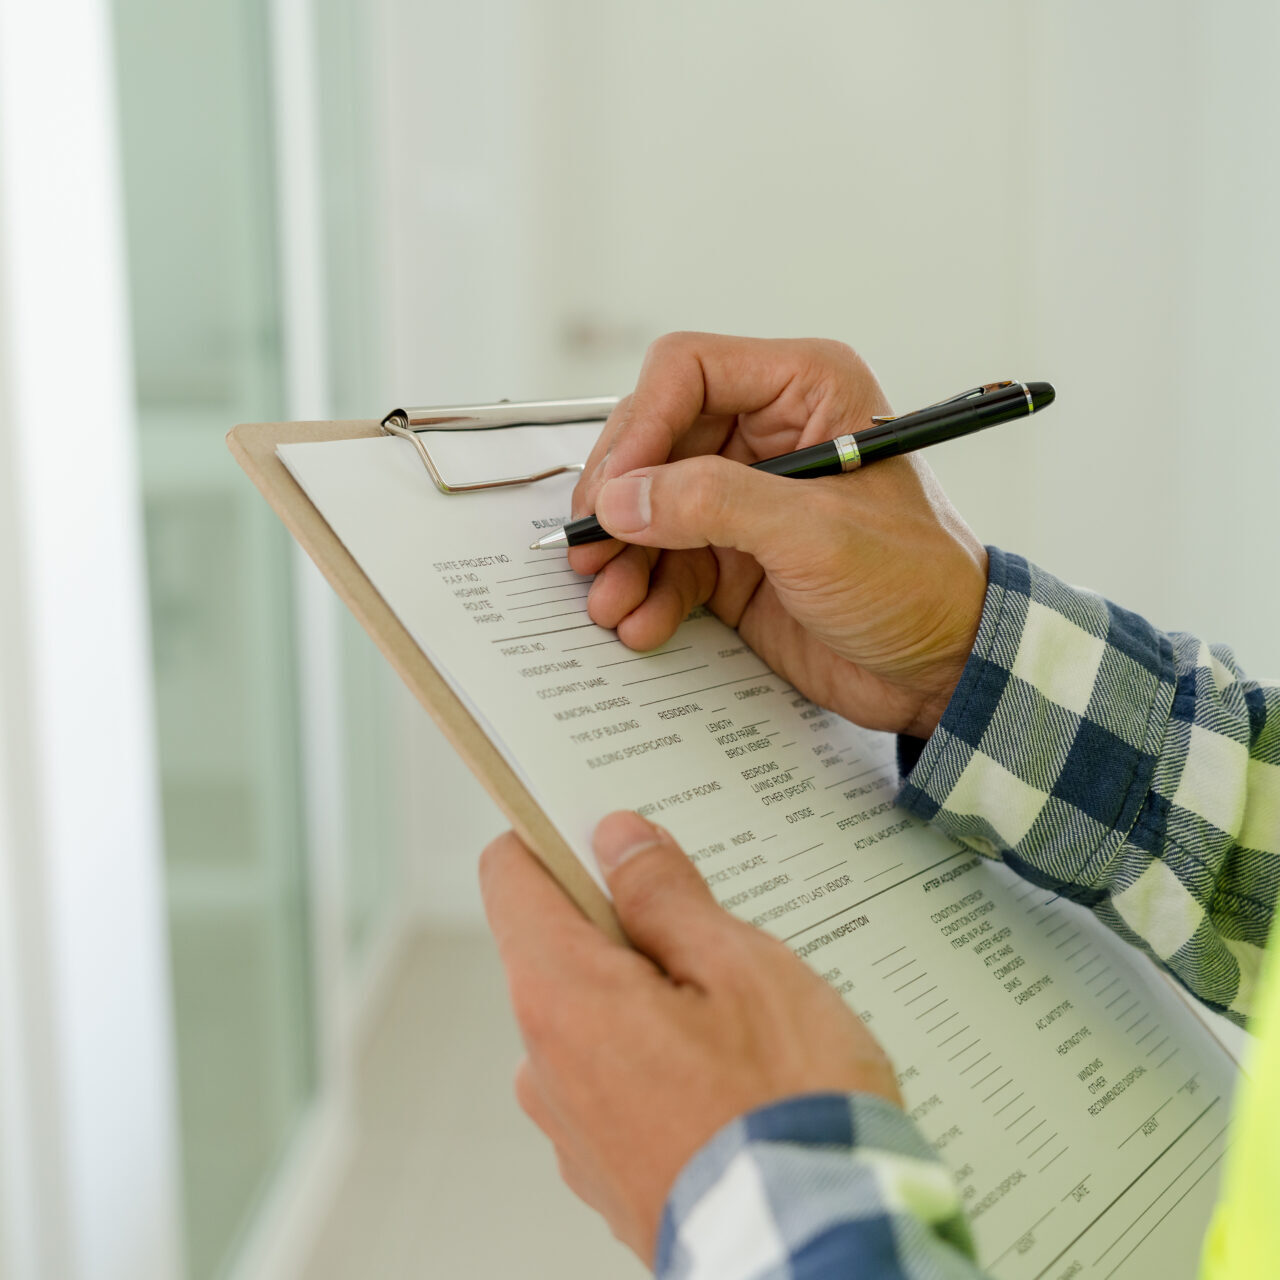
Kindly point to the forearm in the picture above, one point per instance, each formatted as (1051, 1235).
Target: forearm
(1135, 772)
(814, 1188)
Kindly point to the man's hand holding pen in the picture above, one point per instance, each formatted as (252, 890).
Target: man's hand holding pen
(863, 590)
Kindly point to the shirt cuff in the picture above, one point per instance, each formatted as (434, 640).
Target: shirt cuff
(1045, 754)
(821, 1184)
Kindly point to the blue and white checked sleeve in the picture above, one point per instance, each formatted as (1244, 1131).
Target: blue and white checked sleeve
(825, 1185)
(1132, 771)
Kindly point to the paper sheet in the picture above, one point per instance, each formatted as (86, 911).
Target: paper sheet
(1080, 1104)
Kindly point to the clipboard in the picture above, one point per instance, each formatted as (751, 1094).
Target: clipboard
(254, 445)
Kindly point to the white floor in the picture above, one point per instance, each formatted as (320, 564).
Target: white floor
(449, 1179)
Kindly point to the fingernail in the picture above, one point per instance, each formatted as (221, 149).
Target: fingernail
(623, 504)
(621, 836)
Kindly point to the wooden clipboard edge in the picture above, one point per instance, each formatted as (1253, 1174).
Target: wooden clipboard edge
(254, 447)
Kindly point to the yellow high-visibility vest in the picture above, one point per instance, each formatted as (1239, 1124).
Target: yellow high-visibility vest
(1244, 1240)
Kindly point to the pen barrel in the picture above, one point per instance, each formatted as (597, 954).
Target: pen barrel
(584, 529)
(941, 423)
(817, 460)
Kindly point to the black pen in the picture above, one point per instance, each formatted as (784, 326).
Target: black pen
(970, 411)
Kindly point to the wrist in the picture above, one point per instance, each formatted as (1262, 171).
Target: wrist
(1018, 751)
(933, 704)
(959, 632)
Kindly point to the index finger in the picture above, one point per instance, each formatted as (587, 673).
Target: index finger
(687, 376)
(536, 926)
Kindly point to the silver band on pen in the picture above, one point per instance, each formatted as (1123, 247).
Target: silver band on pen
(847, 451)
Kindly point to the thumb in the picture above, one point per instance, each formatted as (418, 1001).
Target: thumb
(662, 902)
(704, 500)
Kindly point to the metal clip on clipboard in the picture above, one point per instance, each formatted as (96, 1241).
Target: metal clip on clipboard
(409, 424)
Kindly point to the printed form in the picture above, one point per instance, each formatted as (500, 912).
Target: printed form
(1081, 1105)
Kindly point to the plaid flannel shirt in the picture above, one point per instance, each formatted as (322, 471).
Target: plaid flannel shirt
(1134, 772)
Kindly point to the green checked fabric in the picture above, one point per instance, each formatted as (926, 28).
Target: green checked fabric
(1134, 772)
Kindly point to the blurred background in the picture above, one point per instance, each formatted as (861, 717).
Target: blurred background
(250, 1025)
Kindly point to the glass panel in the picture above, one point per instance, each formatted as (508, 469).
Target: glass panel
(347, 128)
(199, 185)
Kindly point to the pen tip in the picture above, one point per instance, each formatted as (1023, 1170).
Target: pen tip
(556, 538)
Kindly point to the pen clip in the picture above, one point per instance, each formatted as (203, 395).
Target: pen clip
(972, 393)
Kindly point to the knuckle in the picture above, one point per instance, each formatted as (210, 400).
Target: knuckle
(832, 355)
(836, 352)
(491, 859)
(572, 1177)
(670, 345)
(496, 860)
(836, 371)
(536, 1012)
(655, 883)
(525, 1089)
(705, 495)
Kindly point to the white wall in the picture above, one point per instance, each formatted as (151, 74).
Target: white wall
(1230, 459)
(1155, 272)
(1066, 190)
